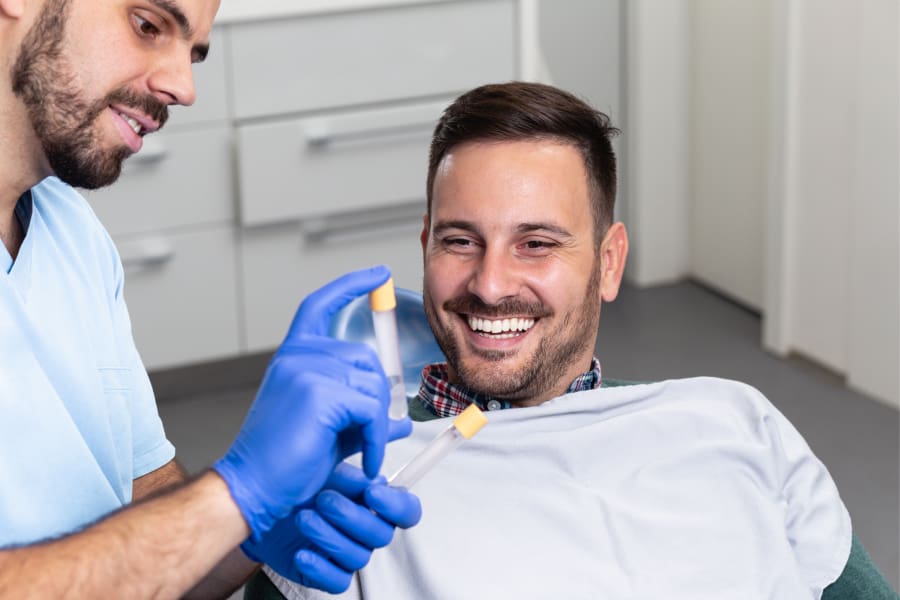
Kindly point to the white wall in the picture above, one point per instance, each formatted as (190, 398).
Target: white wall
(730, 53)
(657, 129)
(773, 126)
(834, 221)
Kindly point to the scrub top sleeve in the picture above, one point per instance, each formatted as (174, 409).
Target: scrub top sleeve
(151, 448)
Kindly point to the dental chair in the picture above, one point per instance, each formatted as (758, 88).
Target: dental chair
(860, 580)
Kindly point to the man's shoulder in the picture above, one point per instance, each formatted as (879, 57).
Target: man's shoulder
(713, 395)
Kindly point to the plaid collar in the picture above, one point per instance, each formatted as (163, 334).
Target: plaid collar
(447, 399)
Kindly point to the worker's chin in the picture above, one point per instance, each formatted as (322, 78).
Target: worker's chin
(88, 169)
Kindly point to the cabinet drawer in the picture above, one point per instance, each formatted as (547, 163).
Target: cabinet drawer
(282, 264)
(334, 163)
(181, 291)
(178, 178)
(370, 56)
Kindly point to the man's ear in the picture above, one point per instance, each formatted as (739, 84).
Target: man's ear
(613, 252)
(423, 237)
(14, 9)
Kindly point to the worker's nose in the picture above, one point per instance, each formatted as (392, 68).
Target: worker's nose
(172, 80)
(496, 277)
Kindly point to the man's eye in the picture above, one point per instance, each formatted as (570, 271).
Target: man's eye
(537, 244)
(145, 27)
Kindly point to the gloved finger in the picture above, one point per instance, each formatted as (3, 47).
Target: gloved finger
(394, 505)
(315, 312)
(363, 426)
(399, 428)
(354, 520)
(332, 542)
(348, 480)
(318, 572)
(334, 354)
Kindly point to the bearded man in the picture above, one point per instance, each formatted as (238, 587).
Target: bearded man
(84, 457)
(579, 486)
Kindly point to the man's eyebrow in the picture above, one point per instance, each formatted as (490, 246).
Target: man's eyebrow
(187, 32)
(443, 226)
(550, 227)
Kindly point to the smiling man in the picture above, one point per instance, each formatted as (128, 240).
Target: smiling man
(83, 456)
(579, 487)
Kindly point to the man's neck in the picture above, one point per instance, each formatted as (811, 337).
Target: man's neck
(22, 165)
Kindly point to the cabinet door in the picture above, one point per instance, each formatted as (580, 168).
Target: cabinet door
(181, 291)
(179, 178)
(334, 163)
(364, 57)
(281, 264)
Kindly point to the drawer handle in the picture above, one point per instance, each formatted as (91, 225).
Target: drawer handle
(153, 151)
(320, 135)
(145, 254)
(363, 224)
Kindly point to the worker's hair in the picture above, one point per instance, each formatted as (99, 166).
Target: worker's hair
(519, 111)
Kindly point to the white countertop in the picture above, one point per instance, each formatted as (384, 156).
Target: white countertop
(232, 11)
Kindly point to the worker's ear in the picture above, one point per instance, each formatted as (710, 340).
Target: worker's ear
(613, 252)
(14, 9)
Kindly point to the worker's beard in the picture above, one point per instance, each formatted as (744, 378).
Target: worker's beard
(62, 118)
(483, 371)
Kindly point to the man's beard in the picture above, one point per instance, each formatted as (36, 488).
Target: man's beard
(540, 373)
(62, 118)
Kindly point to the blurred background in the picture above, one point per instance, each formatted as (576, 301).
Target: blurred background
(758, 180)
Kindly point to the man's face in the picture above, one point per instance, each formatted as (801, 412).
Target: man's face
(96, 76)
(512, 277)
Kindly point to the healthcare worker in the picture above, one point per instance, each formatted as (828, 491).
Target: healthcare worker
(92, 503)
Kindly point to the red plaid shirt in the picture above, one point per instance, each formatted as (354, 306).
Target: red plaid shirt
(447, 399)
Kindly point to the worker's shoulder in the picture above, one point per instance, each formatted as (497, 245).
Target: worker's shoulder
(57, 200)
(71, 229)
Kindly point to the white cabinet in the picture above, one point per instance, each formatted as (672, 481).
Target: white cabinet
(304, 157)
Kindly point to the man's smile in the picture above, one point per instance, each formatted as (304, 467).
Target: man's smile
(500, 328)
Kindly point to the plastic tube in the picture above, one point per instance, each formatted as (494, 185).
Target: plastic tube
(464, 426)
(383, 303)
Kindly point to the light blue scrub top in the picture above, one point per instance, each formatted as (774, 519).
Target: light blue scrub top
(78, 421)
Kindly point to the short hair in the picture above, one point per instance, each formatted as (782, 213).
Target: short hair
(521, 111)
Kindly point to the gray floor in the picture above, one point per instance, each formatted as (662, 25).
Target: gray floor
(670, 331)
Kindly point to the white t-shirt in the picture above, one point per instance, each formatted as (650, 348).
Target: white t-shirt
(78, 421)
(687, 489)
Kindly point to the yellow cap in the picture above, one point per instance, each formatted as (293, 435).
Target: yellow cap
(470, 421)
(383, 298)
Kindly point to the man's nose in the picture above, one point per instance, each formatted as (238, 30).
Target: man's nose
(496, 277)
(172, 80)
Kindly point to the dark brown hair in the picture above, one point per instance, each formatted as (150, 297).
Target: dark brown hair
(520, 111)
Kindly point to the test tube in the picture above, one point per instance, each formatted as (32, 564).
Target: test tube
(383, 303)
(464, 426)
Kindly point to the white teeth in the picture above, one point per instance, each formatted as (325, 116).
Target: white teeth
(514, 325)
(133, 122)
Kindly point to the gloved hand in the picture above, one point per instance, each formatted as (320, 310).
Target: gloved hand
(321, 400)
(322, 543)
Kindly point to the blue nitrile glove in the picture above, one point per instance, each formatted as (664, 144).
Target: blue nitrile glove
(322, 543)
(321, 400)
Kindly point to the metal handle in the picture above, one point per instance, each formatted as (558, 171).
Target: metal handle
(146, 253)
(152, 151)
(361, 224)
(370, 126)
